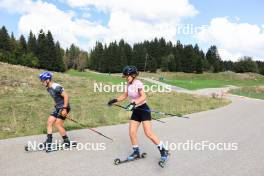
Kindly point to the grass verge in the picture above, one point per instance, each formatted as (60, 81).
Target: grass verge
(252, 92)
(207, 80)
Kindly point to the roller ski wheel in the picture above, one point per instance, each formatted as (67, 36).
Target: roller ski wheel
(118, 161)
(143, 155)
(162, 164)
(30, 149)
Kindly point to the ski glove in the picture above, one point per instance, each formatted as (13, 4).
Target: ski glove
(131, 106)
(112, 102)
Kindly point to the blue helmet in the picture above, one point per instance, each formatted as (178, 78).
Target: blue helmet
(45, 76)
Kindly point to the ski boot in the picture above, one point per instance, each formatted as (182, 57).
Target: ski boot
(164, 156)
(48, 142)
(135, 154)
(67, 143)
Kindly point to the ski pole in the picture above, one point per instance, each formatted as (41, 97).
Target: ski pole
(141, 109)
(168, 114)
(89, 128)
(162, 113)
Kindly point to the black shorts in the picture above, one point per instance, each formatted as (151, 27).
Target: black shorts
(57, 113)
(141, 113)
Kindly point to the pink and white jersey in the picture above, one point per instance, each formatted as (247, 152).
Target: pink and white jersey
(133, 90)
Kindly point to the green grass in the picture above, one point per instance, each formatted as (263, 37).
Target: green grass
(26, 105)
(104, 78)
(208, 80)
(252, 92)
(201, 84)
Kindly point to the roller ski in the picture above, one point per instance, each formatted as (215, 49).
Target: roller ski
(50, 147)
(42, 147)
(164, 157)
(134, 156)
(45, 146)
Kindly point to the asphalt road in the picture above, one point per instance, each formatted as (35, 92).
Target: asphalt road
(240, 123)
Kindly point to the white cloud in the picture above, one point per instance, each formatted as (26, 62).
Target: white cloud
(132, 20)
(121, 25)
(42, 15)
(137, 20)
(234, 39)
(158, 10)
(15, 7)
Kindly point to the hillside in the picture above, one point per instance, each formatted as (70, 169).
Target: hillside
(25, 104)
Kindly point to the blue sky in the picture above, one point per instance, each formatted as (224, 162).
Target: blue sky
(236, 27)
(250, 11)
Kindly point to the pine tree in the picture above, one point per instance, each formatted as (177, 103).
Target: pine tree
(172, 63)
(51, 59)
(152, 64)
(22, 45)
(21, 51)
(214, 59)
(162, 50)
(198, 59)
(112, 64)
(14, 46)
(13, 43)
(128, 53)
(168, 63)
(188, 60)
(199, 66)
(139, 56)
(164, 64)
(59, 64)
(178, 55)
(103, 57)
(32, 43)
(96, 57)
(42, 50)
(152, 54)
(228, 66)
(4, 40)
(125, 53)
(111, 60)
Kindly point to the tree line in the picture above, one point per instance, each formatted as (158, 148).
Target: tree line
(43, 52)
(163, 55)
(40, 52)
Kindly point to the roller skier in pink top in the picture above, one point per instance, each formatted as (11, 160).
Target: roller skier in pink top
(140, 113)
